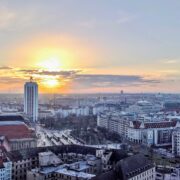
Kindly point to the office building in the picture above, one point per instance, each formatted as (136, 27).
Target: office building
(31, 100)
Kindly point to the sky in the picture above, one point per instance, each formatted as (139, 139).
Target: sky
(83, 46)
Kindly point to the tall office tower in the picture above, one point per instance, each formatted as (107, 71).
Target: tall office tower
(31, 100)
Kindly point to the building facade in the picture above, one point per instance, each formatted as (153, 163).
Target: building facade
(114, 121)
(176, 142)
(152, 133)
(5, 167)
(31, 100)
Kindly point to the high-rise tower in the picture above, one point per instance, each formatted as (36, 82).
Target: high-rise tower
(31, 99)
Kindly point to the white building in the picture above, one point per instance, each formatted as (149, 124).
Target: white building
(176, 142)
(5, 167)
(114, 121)
(31, 100)
(152, 133)
(76, 111)
(144, 107)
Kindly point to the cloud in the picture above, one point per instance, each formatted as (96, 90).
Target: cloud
(172, 61)
(6, 17)
(11, 80)
(75, 79)
(122, 20)
(95, 80)
(124, 17)
(88, 24)
(5, 68)
(67, 73)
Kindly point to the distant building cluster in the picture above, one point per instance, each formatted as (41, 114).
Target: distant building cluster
(74, 111)
(145, 123)
(30, 151)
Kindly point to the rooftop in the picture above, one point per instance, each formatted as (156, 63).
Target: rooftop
(148, 125)
(79, 166)
(15, 130)
(33, 152)
(3, 123)
(75, 174)
(11, 117)
(134, 165)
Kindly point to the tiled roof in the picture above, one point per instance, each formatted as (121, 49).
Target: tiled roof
(148, 125)
(15, 131)
(134, 165)
(160, 124)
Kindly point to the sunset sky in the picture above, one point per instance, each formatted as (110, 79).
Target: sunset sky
(89, 46)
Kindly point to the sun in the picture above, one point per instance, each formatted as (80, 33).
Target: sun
(51, 83)
(51, 64)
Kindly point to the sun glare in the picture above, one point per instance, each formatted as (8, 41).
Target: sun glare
(51, 82)
(51, 64)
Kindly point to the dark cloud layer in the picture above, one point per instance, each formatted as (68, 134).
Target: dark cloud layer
(95, 80)
(77, 79)
(5, 68)
(49, 73)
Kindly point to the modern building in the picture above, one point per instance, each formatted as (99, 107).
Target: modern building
(176, 142)
(31, 100)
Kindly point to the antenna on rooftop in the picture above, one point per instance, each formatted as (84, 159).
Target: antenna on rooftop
(31, 79)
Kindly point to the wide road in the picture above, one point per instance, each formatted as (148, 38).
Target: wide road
(64, 137)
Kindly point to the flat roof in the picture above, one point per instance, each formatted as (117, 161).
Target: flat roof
(5, 123)
(75, 174)
(79, 166)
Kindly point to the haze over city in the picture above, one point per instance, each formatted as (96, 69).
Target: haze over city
(90, 46)
(89, 90)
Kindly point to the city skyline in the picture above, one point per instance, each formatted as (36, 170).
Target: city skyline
(90, 47)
